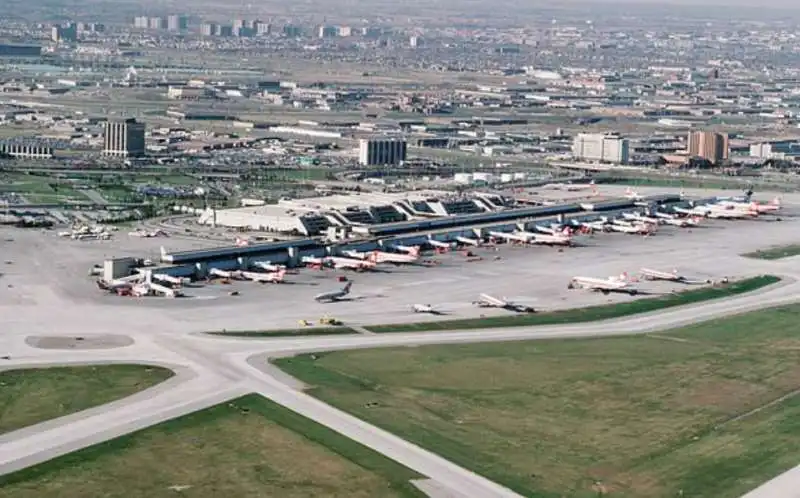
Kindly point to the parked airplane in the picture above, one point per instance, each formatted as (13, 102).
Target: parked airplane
(334, 296)
(730, 214)
(641, 218)
(604, 285)
(637, 228)
(352, 264)
(267, 266)
(672, 276)
(693, 211)
(395, 258)
(230, 274)
(756, 207)
(633, 194)
(439, 245)
(425, 308)
(114, 286)
(673, 220)
(487, 301)
(170, 279)
(410, 250)
(274, 278)
(558, 239)
(314, 262)
(468, 241)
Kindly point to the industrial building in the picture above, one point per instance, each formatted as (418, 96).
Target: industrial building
(29, 147)
(14, 50)
(414, 232)
(381, 152)
(124, 138)
(607, 148)
(708, 145)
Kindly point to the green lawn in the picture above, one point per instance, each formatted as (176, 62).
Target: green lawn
(299, 332)
(590, 313)
(773, 253)
(31, 396)
(246, 448)
(644, 416)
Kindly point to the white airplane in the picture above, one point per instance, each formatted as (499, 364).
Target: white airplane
(604, 285)
(267, 266)
(730, 214)
(632, 194)
(230, 274)
(523, 237)
(91, 236)
(114, 286)
(334, 296)
(390, 257)
(170, 279)
(439, 245)
(161, 290)
(600, 226)
(638, 228)
(425, 308)
(314, 262)
(352, 264)
(673, 276)
(755, 207)
(356, 254)
(559, 239)
(468, 241)
(641, 218)
(411, 250)
(682, 222)
(147, 234)
(240, 242)
(693, 211)
(274, 278)
(487, 301)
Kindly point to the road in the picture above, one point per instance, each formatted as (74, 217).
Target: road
(214, 369)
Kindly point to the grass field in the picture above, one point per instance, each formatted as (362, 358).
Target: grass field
(246, 448)
(31, 396)
(590, 313)
(307, 331)
(690, 412)
(774, 253)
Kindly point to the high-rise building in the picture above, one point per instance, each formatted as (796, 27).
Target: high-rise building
(381, 152)
(225, 30)
(708, 145)
(141, 22)
(177, 23)
(124, 138)
(208, 29)
(157, 23)
(262, 28)
(292, 31)
(601, 147)
(327, 31)
(65, 32)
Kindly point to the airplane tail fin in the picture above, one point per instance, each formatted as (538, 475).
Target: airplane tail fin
(347, 287)
(776, 201)
(163, 253)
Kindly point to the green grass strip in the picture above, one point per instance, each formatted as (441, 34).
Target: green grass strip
(398, 475)
(309, 331)
(590, 313)
(773, 253)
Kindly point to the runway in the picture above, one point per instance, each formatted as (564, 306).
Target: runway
(210, 369)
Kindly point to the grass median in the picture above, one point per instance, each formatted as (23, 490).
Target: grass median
(30, 396)
(590, 313)
(777, 252)
(246, 448)
(299, 332)
(707, 411)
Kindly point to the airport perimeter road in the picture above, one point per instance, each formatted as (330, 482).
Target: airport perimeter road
(212, 369)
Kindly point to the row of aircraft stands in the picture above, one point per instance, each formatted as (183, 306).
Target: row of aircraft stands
(445, 229)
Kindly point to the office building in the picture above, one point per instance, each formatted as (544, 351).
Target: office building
(157, 23)
(327, 31)
(601, 148)
(208, 29)
(124, 138)
(65, 32)
(225, 30)
(141, 22)
(262, 28)
(177, 23)
(713, 147)
(381, 152)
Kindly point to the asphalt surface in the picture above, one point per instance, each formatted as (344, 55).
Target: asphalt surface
(45, 292)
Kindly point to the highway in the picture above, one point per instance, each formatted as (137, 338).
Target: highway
(212, 369)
